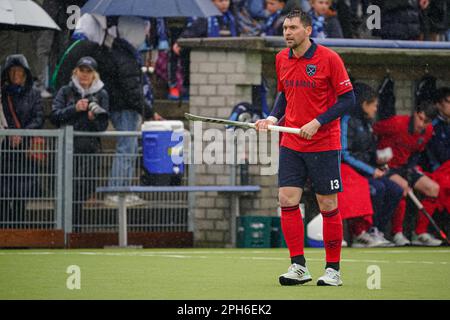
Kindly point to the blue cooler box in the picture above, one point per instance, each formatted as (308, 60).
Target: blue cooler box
(162, 143)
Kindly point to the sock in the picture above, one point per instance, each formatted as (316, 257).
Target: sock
(332, 265)
(333, 234)
(398, 217)
(430, 205)
(292, 227)
(300, 259)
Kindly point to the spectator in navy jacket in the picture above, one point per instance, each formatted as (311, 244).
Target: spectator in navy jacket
(438, 148)
(22, 109)
(324, 20)
(225, 25)
(273, 25)
(83, 104)
(359, 147)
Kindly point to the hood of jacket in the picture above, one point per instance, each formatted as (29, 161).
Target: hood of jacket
(94, 28)
(131, 29)
(96, 86)
(16, 60)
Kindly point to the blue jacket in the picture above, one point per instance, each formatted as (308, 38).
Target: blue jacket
(438, 148)
(358, 144)
(26, 100)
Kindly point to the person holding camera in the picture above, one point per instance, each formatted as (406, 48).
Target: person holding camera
(83, 104)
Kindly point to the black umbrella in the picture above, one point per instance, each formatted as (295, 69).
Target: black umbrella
(24, 15)
(152, 8)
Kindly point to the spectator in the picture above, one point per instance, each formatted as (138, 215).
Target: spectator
(247, 24)
(407, 136)
(400, 19)
(437, 161)
(126, 101)
(113, 42)
(50, 43)
(348, 21)
(22, 109)
(303, 5)
(438, 149)
(359, 151)
(216, 26)
(325, 23)
(83, 104)
(225, 25)
(256, 9)
(435, 20)
(273, 25)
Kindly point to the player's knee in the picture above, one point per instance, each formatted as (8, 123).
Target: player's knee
(432, 190)
(287, 199)
(327, 203)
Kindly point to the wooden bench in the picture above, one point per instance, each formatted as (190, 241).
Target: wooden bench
(235, 191)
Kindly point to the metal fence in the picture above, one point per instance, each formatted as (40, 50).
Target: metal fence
(59, 192)
(31, 190)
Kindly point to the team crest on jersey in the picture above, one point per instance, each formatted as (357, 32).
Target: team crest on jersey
(311, 69)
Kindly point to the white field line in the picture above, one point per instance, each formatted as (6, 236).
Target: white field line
(187, 256)
(405, 251)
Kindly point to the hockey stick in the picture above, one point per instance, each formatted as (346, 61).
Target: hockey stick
(419, 206)
(239, 124)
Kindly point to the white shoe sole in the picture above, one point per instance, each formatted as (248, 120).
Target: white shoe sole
(421, 244)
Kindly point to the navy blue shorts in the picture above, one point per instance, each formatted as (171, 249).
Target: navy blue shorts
(412, 175)
(323, 168)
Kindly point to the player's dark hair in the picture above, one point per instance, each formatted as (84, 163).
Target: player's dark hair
(428, 108)
(305, 19)
(442, 94)
(364, 93)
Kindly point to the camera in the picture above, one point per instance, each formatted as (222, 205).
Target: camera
(94, 107)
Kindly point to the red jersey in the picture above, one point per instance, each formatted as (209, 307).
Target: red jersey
(396, 133)
(311, 85)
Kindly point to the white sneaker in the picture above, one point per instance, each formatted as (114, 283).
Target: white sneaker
(365, 240)
(330, 278)
(133, 200)
(375, 233)
(400, 240)
(296, 274)
(344, 244)
(426, 239)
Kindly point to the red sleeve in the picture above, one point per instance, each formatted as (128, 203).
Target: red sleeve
(338, 75)
(280, 87)
(385, 127)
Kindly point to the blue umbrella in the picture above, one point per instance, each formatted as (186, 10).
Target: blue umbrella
(152, 8)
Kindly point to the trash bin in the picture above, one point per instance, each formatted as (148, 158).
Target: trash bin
(162, 147)
(254, 232)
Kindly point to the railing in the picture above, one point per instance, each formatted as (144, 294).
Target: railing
(60, 192)
(31, 191)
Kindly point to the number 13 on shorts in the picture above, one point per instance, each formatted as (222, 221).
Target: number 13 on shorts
(335, 184)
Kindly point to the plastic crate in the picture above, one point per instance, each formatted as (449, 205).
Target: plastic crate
(276, 237)
(254, 232)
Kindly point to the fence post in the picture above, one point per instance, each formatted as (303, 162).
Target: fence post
(191, 199)
(68, 181)
(60, 180)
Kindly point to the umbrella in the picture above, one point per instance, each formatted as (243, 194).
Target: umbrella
(152, 8)
(24, 15)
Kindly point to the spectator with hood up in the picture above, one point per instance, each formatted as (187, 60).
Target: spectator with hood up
(22, 109)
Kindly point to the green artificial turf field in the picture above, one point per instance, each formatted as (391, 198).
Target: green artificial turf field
(222, 274)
